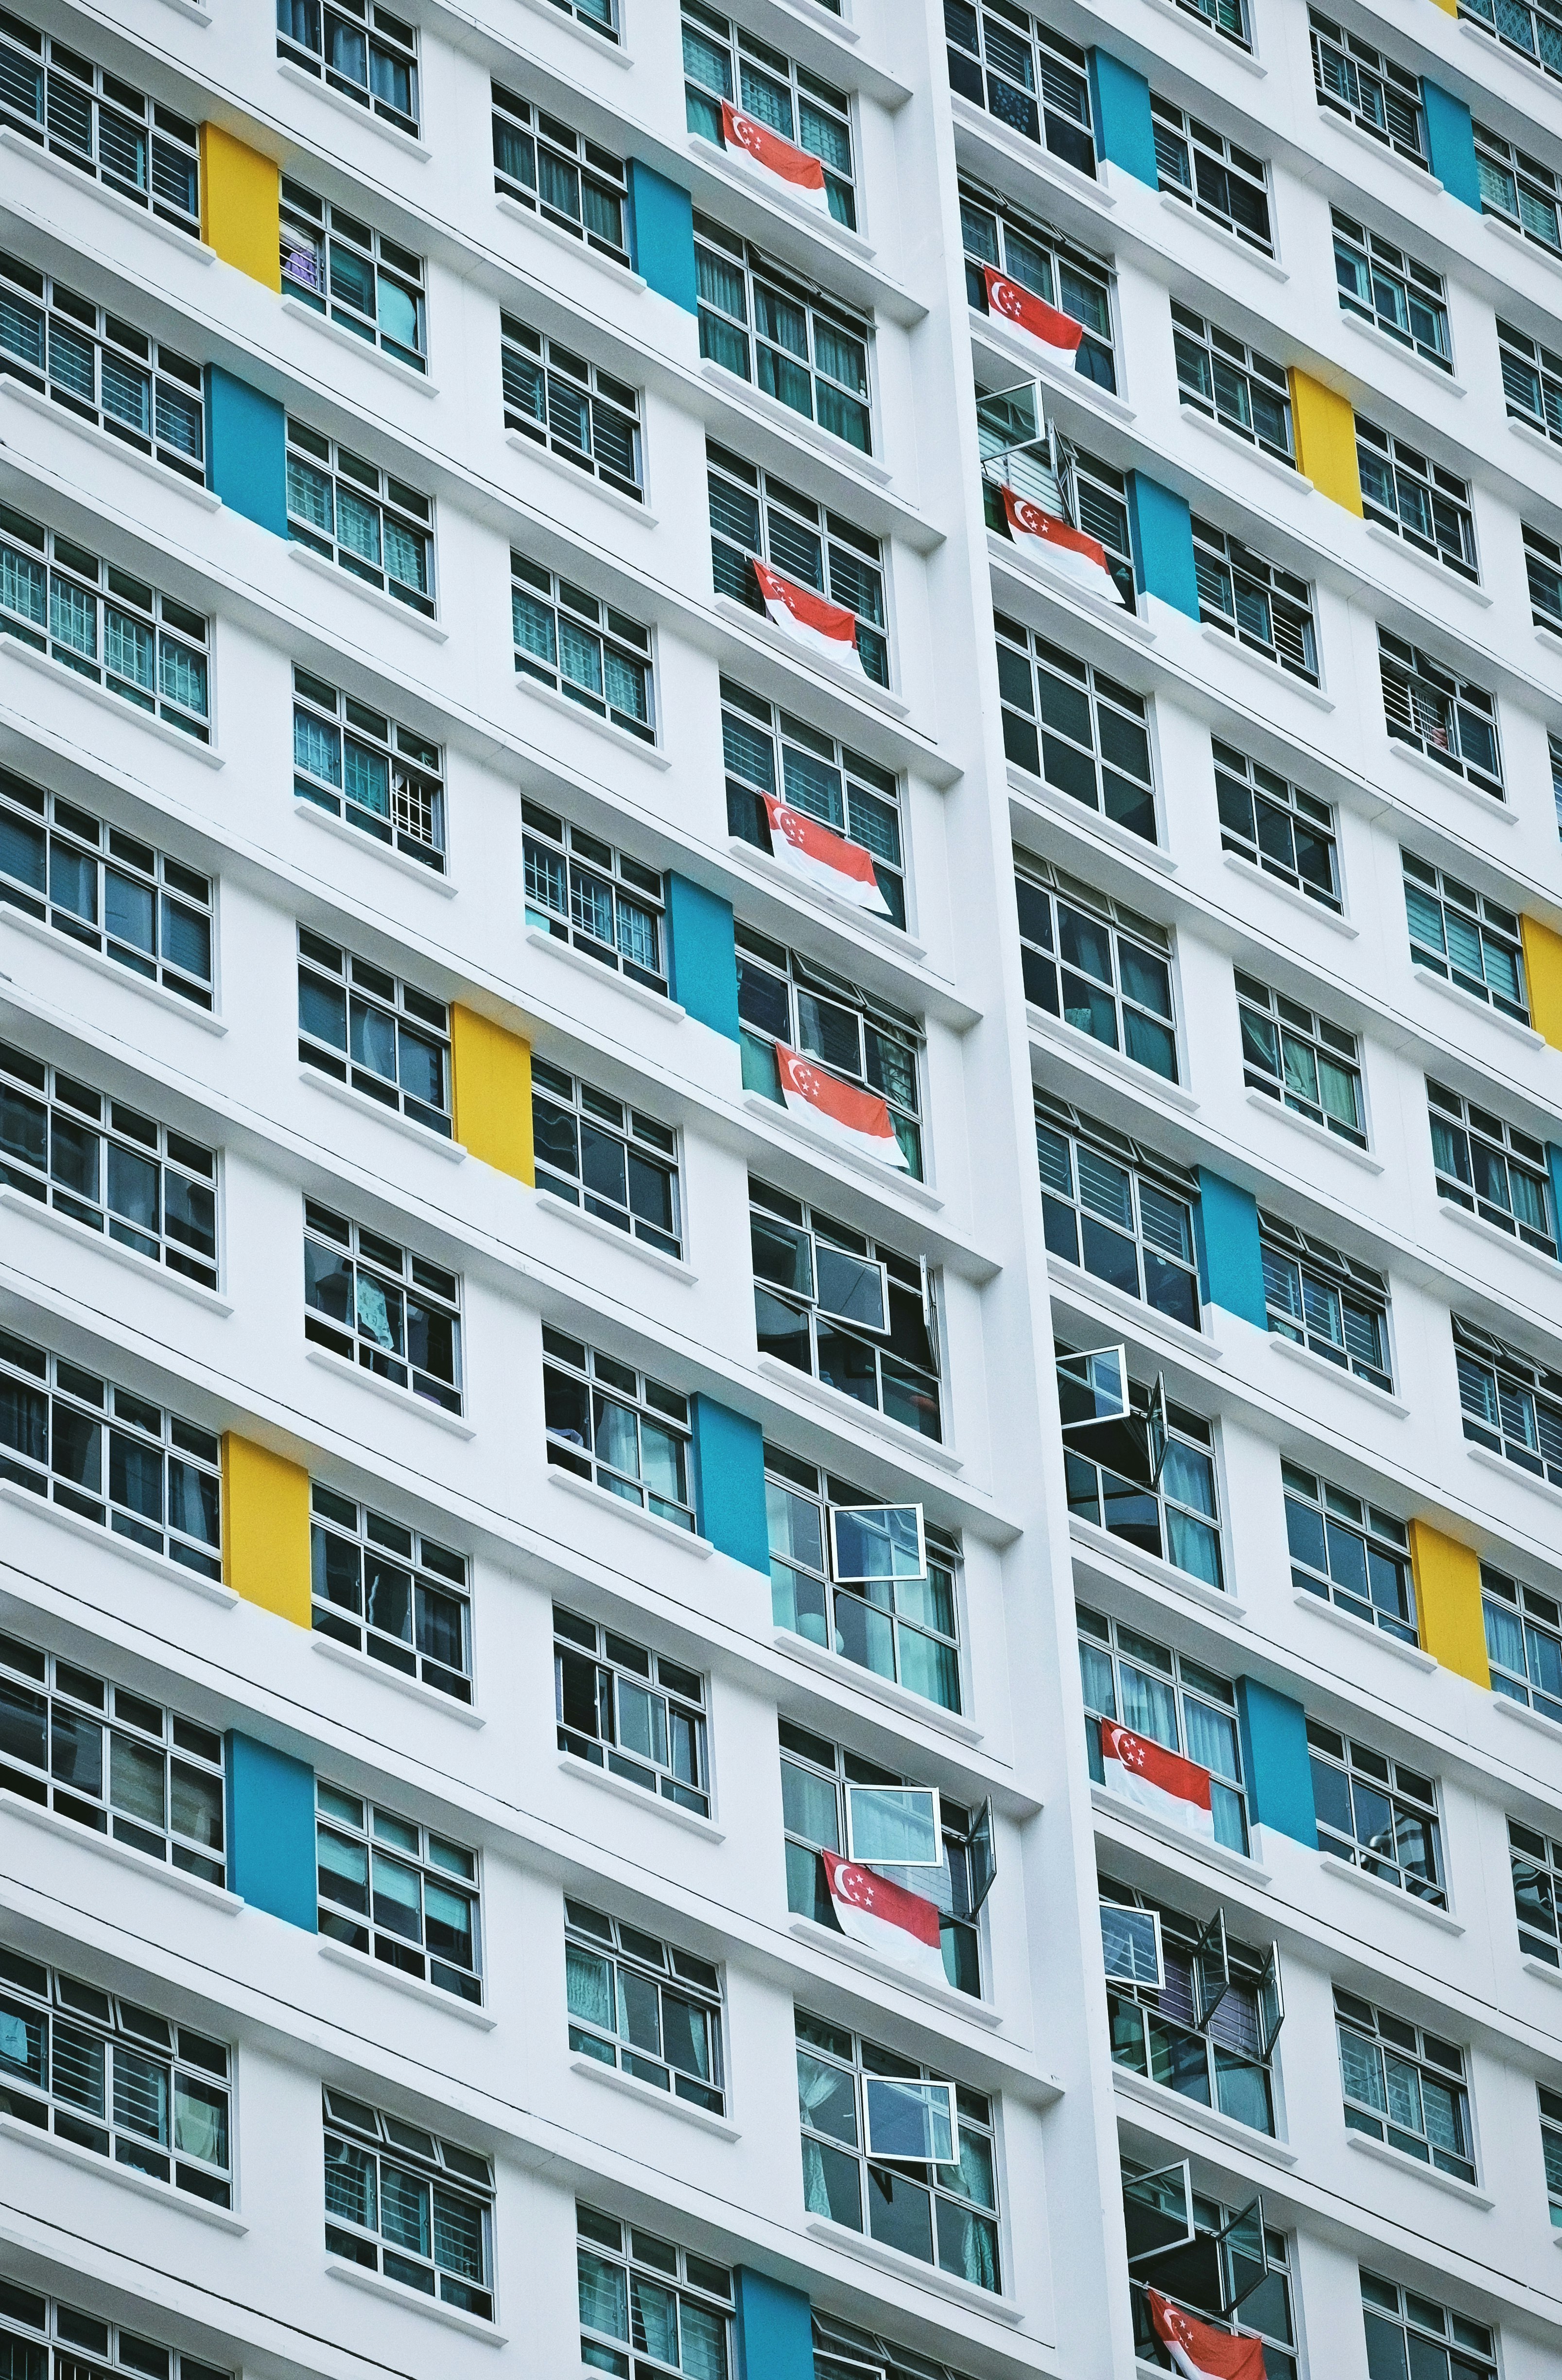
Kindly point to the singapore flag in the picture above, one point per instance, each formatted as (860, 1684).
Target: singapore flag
(754, 147)
(885, 1917)
(1200, 2351)
(1081, 558)
(853, 1119)
(1156, 1780)
(816, 851)
(1058, 331)
(824, 628)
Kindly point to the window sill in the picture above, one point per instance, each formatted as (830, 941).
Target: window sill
(365, 115)
(840, 1946)
(1232, 50)
(650, 754)
(381, 1673)
(1494, 1237)
(405, 1398)
(1467, 1000)
(1033, 570)
(589, 481)
(1330, 1864)
(868, 1682)
(1397, 2157)
(1034, 156)
(1230, 643)
(375, 595)
(1316, 1131)
(912, 2270)
(1439, 570)
(1506, 1705)
(187, 8)
(1550, 640)
(1513, 1472)
(173, 482)
(1237, 1864)
(551, 1204)
(567, 241)
(743, 393)
(597, 43)
(1251, 869)
(1530, 434)
(427, 1993)
(66, 1830)
(1069, 1039)
(713, 156)
(337, 2268)
(452, 1151)
(1503, 226)
(1090, 1537)
(1434, 372)
(589, 1774)
(1454, 780)
(1092, 823)
(172, 1572)
(373, 354)
(749, 855)
(843, 1408)
(1547, 1974)
(1290, 473)
(872, 1168)
(11, 139)
(1320, 1365)
(1145, 1320)
(84, 1237)
(647, 2094)
(85, 2161)
(1425, 180)
(1325, 1610)
(839, 674)
(13, 647)
(656, 1001)
(1181, 2109)
(359, 841)
(53, 940)
(701, 1548)
(1186, 211)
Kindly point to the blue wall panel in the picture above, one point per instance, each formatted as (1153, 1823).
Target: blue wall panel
(1161, 531)
(703, 957)
(663, 218)
(775, 2328)
(1230, 1262)
(246, 450)
(730, 1462)
(1450, 144)
(271, 1816)
(1275, 1760)
(1120, 101)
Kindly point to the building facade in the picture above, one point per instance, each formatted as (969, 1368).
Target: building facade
(704, 714)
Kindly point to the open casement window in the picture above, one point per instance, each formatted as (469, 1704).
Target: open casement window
(1016, 444)
(1210, 2271)
(1212, 1969)
(874, 1544)
(1130, 1947)
(1271, 2004)
(911, 2122)
(1099, 1420)
(895, 1827)
(844, 1286)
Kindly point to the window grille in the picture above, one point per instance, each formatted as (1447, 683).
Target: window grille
(1511, 1405)
(1447, 719)
(1404, 2087)
(1328, 1303)
(1460, 935)
(360, 765)
(570, 406)
(1515, 189)
(580, 891)
(1024, 75)
(640, 2295)
(1369, 89)
(405, 2203)
(1263, 606)
(112, 628)
(101, 125)
(96, 365)
(1532, 381)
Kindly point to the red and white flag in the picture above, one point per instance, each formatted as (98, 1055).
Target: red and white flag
(822, 627)
(885, 1917)
(856, 1120)
(1058, 331)
(811, 849)
(1081, 558)
(754, 146)
(1200, 2351)
(1159, 1781)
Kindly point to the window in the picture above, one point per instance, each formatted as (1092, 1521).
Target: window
(1036, 82)
(1469, 940)
(787, 999)
(400, 2201)
(1524, 1641)
(398, 1892)
(753, 514)
(1419, 501)
(1328, 1303)
(1115, 966)
(794, 343)
(1446, 719)
(1239, 2272)
(115, 2349)
(597, 16)
(103, 2074)
(613, 1425)
(945, 2215)
(1519, 189)
(1380, 285)
(96, 1159)
(1263, 607)
(1376, 1814)
(1083, 731)
(1404, 2086)
(1511, 1405)
(1174, 1701)
(110, 1456)
(111, 1761)
(841, 2351)
(1204, 169)
(653, 2012)
(1179, 1519)
(724, 61)
(1551, 2149)
(360, 765)
(107, 889)
(1537, 1894)
(640, 2294)
(581, 890)
(1543, 561)
(1554, 749)
(95, 364)
(96, 619)
(765, 750)
(1348, 1552)
(1398, 2324)
(1208, 2028)
(584, 649)
(1047, 265)
(818, 1779)
(1115, 1207)
(358, 1024)
(1358, 83)
(100, 125)
(1285, 832)
(363, 519)
(631, 1711)
(1491, 1168)
(606, 1157)
(566, 179)
(1531, 380)
(399, 1315)
(390, 1592)
(570, 406)
(1233, 384)
(1292, 1055)
(1070, 484)
(845, 1310)
(364, 281)
(362, 51)
(902, 1628)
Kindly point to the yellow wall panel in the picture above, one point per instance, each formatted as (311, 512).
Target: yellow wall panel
(266, 1529)
(492, 1093)
(1450, 7)
(1542, 975)
(1448, 1596)
(240, 193)
(1325, 425)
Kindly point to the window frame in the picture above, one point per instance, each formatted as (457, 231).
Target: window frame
(1409, 1796)
(1412, 476)
(570, 853)
(1141, 1167)
(410, 1013)
(643, 1141)
(116, 2349)
(319, 230)
(127, 875)
(615, 638)
(1043, 78)
(422, 1290)
(1045, 740)
(1224, 565)
(1389, 82)
(1317, 1044)
(1411, 2315)
(674, 1976)
(179, 638)
(1173, 127)
(1384, 1542)
(1268, 795)
(1027, 252)
(891, 1044)
(633, 1393)
(1536, 189)
(379, 1833)
(1537, 1685)
(620, 1667)
(1339, 1278)
(801, 762)
(1541, 1856)
(398, 510)
(653, 2271)
(1484, 922)
(1413, 2046)
(806, 1600)
(843, 549)
(910, 1391)
(1186, 1527)
(1193, 2040)
(1543, 564)
(387, 1550)
(1043, 962)
(399, 2145)
(1221, 377)
(1208, 2217)
(413, 770)
(1413, 685)
(1522, 357)
(597, 174)
(569, 388)
(172, 428)
(1371, 260)
(850, 406)
(745, 49)
(388, 41)
(1522, 1392)
(1503, 1146)
(1101, 1636)
(169, 145)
